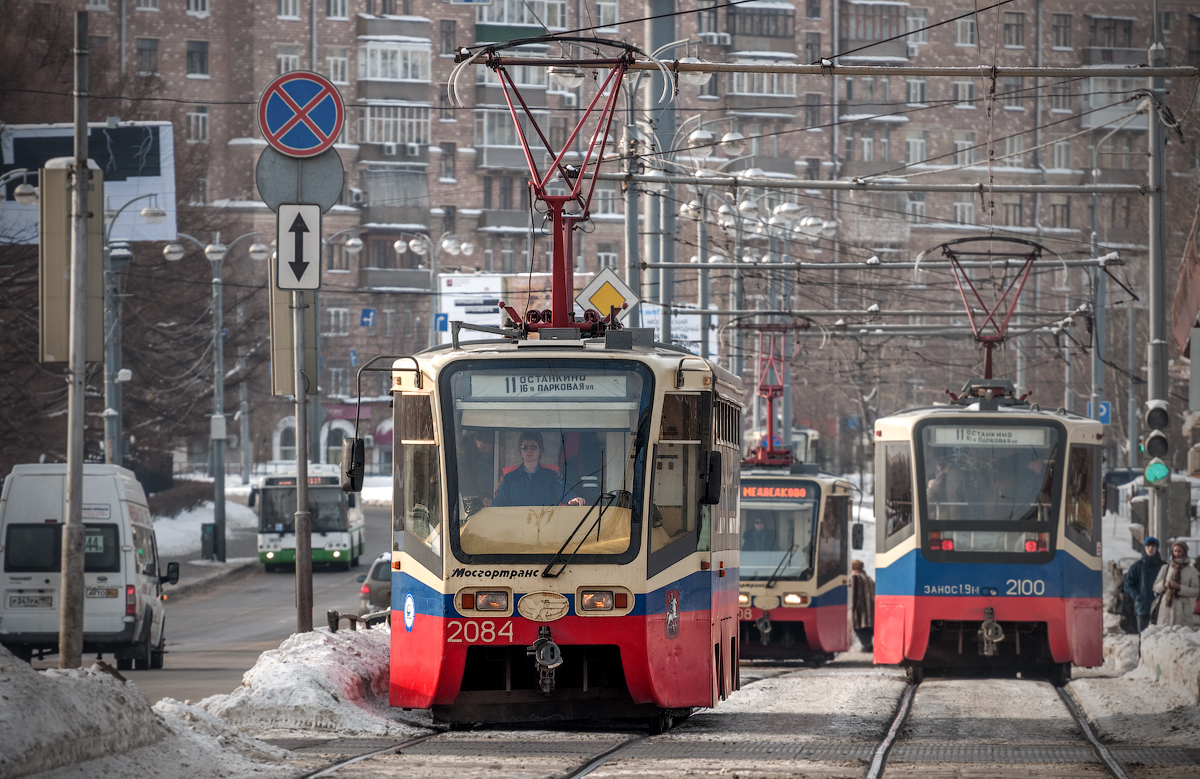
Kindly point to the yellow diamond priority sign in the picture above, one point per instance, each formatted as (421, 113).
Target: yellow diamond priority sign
(607, 291)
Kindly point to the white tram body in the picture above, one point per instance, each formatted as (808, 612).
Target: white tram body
(565, 530)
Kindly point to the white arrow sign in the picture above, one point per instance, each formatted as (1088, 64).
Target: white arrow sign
(298, 237)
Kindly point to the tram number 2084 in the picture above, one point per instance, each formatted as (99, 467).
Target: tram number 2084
(1025, 587)
(474, 632)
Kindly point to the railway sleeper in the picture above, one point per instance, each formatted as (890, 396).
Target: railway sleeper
(963, 643)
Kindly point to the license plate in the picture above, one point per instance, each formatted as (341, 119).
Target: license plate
(101, 592)
(30, 601)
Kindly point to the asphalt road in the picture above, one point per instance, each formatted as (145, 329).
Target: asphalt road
(216, 633)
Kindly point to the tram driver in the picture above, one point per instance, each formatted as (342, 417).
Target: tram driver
(531, 483)
(758, 537)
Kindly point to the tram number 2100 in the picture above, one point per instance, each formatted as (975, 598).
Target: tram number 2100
(1025, 587)
(473, 632)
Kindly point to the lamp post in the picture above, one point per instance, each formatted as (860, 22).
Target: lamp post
(216, 252)
(421, 245)
(26, 194)
(117, 255)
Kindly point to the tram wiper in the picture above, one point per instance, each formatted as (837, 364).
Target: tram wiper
(783, 563)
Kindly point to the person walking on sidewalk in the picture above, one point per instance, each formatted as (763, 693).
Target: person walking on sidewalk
(1139, 582)
(862, 590)
(1178, 584)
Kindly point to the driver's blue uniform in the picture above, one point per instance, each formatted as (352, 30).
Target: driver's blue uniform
(543, 487)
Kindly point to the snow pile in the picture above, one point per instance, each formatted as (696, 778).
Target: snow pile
(1171, 655)
(318, 681)
(180, 535)
(1120, 654)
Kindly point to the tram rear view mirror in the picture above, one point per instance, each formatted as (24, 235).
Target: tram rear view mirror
(856, 535)
(710, 474)
(353, 464)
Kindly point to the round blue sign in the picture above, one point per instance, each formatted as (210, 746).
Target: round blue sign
(301, 114)
(410, 611)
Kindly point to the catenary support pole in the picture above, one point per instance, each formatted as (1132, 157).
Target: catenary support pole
(1157, 346)
(303, 523)
(70, 615)
(217, 436)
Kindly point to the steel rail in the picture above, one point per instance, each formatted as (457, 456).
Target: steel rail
(391, 749)
(1106, 757)
(879, 760)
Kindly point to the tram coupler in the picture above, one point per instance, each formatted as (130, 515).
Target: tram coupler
(546, 656)
(763, 624)
(990, 633)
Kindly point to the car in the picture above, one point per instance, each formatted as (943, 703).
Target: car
(376, 592)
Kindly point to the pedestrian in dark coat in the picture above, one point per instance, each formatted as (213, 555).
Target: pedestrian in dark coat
(862, 590)
(1139, 582)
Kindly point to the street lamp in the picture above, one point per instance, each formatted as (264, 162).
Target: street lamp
(421, 245)
(26, 194)
(216, 253)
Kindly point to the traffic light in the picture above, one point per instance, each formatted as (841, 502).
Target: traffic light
(1156, 442)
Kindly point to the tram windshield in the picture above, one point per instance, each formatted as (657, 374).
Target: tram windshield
(277, 510)
(546, 455)
(987, 473)
(778, 534)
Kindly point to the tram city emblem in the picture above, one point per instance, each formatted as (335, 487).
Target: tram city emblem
(672, 620)
(410, 611)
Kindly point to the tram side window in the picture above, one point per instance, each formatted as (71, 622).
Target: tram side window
(897, 495)
(418, 486)
(673, 508)
(1082, 494)
(831, 541)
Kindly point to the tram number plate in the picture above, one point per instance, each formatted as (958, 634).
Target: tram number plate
(101, 592)
(1025, 587)
(479, 632)
(745, 615)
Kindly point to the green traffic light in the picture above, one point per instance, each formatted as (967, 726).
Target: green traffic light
(1156, 472)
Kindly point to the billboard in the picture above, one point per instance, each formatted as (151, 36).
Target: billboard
(475, 298)
(137, 159)
(685, 329)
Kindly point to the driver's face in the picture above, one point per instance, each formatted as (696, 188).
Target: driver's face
(530, 453)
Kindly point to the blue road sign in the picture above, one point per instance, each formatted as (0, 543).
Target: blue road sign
(353, 358)
(368, 317)
(777, 441)
(441, 322)
(1105, 412)
(300, 114)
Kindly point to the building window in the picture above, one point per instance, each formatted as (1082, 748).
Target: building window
(337, 321)
(914, 90)
(708, 88)
(197, 124)
(607, 255)
(914, 147)
(336, 9)
(147, 5)
(964, 148)
(288, 57)
(964, 94)
(1164, 22)
(338, 382)
(395, 124)
(1014, 94)
(1119, 151)
(147, 55)
(762, 22)
(336, 257)
(1014, 152)
(97, 5)
(965, 32)
(1060, 97)
(914, 207)
(918, 20)
(812, 9)
(812, 169)
(534, 13)
(389, 324)
(1062, 152)
(607, 198)
(812, 111)
(447, 32)
(446, 163)
(394, 62)
(606, 13)
(197, 6)
(445, 109)
(1108, 32)
(871, 21)
(1014, 214)
(774, 84)
(964, 212)
(706, 16)
(197, 58)
(1119, 214)
(337, 60)
(1060, 30)
(449, 216)
(867, 139)
(494, 127)
(1014, 29)
(1060, 214)
(812, 47)
(287, 9)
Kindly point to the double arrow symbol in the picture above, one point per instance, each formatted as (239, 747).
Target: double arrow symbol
(298, 229)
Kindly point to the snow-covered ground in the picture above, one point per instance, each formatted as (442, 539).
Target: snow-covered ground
(90, 723)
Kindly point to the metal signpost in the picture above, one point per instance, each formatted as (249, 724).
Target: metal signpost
(300, 115)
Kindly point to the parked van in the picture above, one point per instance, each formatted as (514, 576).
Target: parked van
(123, 610)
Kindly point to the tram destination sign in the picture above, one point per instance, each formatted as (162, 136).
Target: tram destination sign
(774, 491)
(553, 385)
(989, 436)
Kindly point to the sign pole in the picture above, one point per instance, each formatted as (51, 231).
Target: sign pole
(303, 522)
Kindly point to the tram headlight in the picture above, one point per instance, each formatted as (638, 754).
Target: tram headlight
(596, 600)
(490, 600)
(794, 599)
(743, 599)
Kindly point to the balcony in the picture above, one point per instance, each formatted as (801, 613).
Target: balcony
(408, 26)
(393, 278)
(394, 152)
(1109, 55)
(758, 105)
(897, 48)
(374, 89)
(507, 158)
(412, 217)
(504, 220)
(493, 94)
(859, 168)
(1111, 115)
(500, 33)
